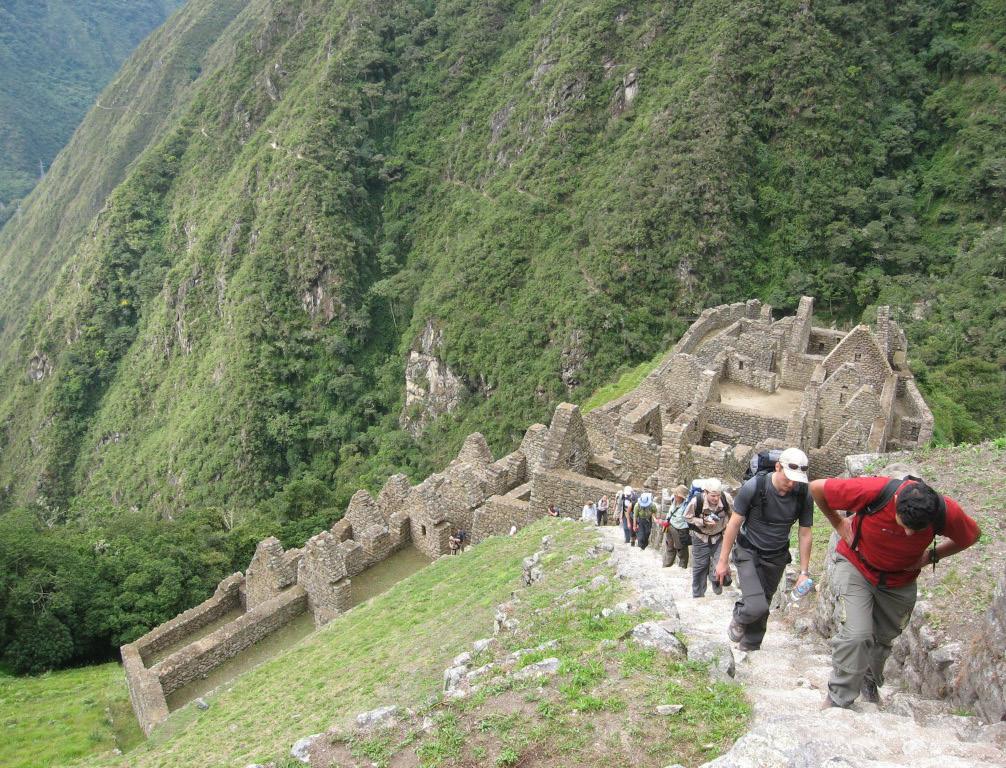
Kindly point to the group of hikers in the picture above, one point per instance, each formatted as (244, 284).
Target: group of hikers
(884, 543)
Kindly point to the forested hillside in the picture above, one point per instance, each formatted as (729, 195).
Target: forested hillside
(55, 57)
(213, 346)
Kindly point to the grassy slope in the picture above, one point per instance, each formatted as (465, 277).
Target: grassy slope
(61, 716)
(394, 650)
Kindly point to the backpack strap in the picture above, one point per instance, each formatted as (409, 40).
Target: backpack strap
(883, 498)
(880, 501)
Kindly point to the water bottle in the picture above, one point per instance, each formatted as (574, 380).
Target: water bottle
(801, 589)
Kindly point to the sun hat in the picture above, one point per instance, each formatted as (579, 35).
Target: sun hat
(627, 489)
(713, 485)
(645, 500)
(794, 464)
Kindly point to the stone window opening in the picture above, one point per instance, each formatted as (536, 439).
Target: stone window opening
(740, 365)
(422, 531)
(841, 395)
(857, 356)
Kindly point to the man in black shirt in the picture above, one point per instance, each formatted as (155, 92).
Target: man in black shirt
(766, 507)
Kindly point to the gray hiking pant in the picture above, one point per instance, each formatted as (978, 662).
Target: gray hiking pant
(869, 619)
(702, 554)
(758, 575)
(677, 542)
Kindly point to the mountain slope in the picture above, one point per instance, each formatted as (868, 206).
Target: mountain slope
(56, 57)
(214, 316)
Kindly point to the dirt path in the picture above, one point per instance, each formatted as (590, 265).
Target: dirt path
(786, 680)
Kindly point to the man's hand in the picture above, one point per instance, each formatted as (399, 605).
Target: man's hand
(722, 571)
(800, 580)
(844, 529)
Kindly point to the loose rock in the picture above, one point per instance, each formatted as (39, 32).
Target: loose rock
(377, 718)
(302, 747)
(652, 634)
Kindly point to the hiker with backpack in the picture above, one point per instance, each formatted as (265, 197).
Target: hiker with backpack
(883, 547)
(624, 501)
(766, 507)
(602, 510)
(677, 539)
(707, 515)
(642, 519)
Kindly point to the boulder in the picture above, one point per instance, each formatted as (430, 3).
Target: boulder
(652, 634)
(382, 717)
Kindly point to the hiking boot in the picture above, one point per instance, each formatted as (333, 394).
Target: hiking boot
(717, 589)
(828, 703)
(869, 692)
(735, 631)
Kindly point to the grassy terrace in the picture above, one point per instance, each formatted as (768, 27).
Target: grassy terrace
(597, 711)
(61, 716)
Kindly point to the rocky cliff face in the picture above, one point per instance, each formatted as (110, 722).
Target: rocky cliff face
(431, 388)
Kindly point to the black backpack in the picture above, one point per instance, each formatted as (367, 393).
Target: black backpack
(883, 498)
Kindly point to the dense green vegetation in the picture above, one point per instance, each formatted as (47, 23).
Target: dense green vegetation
(213, 327)
(55, 57)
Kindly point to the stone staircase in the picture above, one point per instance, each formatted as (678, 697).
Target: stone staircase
(786, 682)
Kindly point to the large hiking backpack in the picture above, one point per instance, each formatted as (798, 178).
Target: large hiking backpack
(763, 461)
(883, 498)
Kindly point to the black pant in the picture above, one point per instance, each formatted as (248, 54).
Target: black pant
(602, 517)
(645, 524)
(758, 574)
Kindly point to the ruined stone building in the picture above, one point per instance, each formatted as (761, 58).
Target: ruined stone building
(737, 382)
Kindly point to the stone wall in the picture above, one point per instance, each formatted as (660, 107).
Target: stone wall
(324, 576)
(743, 369)
(860, 348)
(713, 319)
(981, 680)
(145, 692)
(568, 490)
(797, 369)
(197, 659)
(823, 340)
(270, 571)
(567, 446)
(225, 599)
(751, 426)
(498, 515)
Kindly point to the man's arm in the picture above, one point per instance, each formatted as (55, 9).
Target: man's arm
(839, 523)
(805, 539)
(729, 537)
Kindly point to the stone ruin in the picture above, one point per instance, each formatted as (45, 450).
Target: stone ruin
(737, 382)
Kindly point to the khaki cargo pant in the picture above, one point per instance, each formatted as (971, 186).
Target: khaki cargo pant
(869, 619)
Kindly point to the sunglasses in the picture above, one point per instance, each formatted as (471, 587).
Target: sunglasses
(798, 467)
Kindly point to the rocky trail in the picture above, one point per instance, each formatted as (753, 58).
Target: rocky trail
(786, 681)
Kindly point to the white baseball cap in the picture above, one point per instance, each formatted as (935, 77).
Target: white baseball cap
(794, 464)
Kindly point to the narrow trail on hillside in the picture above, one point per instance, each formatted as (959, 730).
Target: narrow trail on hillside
(786, 681)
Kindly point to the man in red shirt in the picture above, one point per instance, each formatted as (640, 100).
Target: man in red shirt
(878, 559)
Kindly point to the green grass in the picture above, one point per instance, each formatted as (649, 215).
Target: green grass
(625, 383)
(391, 650)
(394, 649)
(62, 716)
